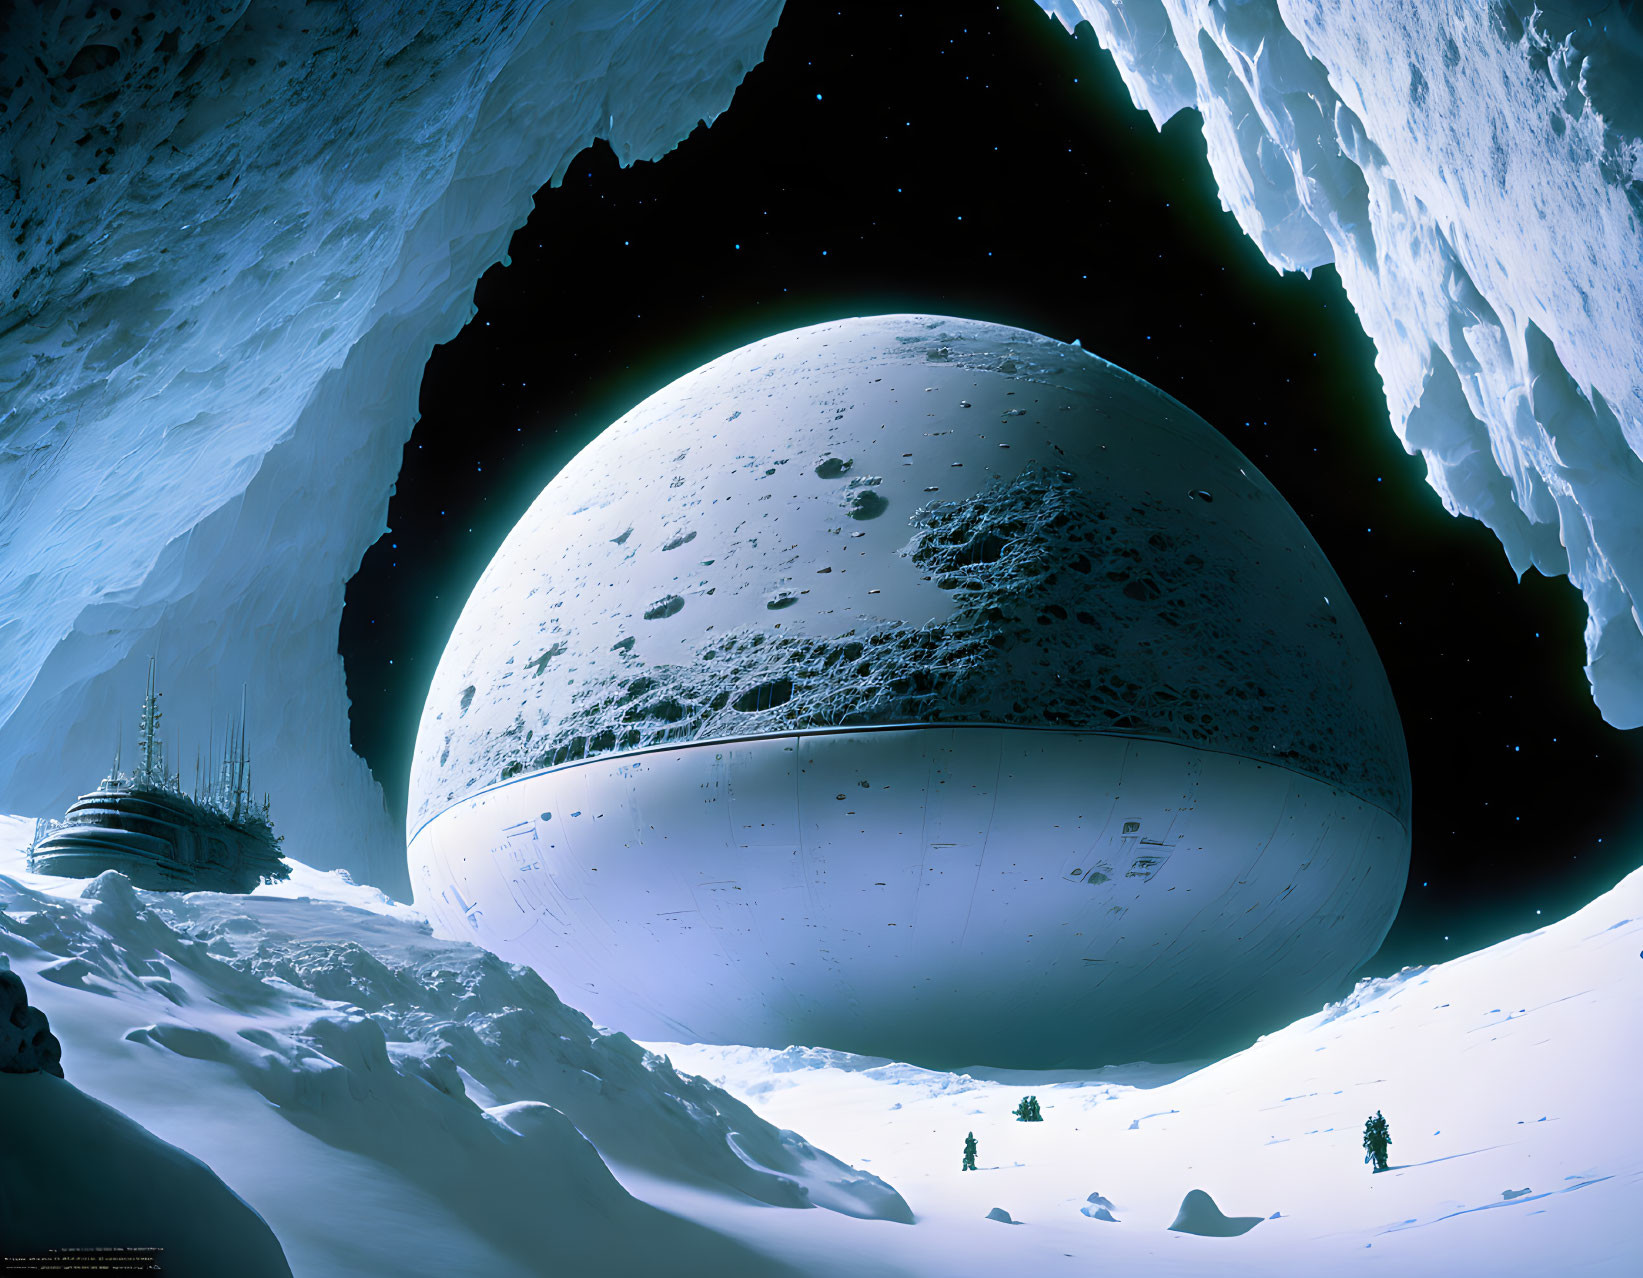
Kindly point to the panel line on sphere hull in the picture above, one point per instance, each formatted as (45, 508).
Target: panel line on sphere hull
(1275, 886)
(640, 751)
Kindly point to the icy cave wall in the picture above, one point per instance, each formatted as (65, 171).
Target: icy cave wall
(235, 230)
(1475, 173)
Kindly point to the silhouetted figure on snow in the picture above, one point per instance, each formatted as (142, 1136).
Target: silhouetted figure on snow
(969, 1153)
(1377, 1136)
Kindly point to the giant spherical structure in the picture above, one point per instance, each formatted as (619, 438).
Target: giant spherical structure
(921, 687)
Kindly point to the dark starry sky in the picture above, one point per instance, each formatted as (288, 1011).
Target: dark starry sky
(974, 159)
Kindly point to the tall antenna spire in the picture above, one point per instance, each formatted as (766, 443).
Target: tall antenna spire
(240, 761)
(150, 726)
(221, 792)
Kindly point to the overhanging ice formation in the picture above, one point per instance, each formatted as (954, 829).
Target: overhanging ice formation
(1475, 174)
(236, 231)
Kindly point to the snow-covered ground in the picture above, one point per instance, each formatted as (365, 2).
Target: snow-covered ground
(390, 1102)
(77, 1173)
(386, 1101)
(1475, 173)
(1508, 1078)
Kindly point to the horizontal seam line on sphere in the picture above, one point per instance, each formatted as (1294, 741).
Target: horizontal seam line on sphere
(799, 733)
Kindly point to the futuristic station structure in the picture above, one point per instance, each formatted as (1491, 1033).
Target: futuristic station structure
(919, 687)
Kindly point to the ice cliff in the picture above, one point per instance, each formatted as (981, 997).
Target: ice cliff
(235, 230)
(1475, 174)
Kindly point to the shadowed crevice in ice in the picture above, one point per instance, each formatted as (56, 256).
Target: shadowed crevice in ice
(79, 1174)
(27, 1045)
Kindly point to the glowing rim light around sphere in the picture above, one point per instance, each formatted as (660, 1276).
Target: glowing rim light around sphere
(919, 687)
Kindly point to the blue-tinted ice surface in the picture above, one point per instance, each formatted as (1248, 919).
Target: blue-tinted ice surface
(1475, 174)
(236, 231)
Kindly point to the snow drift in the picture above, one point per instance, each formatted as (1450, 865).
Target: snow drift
(1475, 173)
(235, 232)
(392, 1103)
(1510, 1069)
(396, 1103)
(77, 1173)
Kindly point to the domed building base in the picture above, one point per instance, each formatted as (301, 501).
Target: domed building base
(922, 687)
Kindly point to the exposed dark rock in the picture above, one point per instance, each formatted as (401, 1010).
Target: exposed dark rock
(27, 1045)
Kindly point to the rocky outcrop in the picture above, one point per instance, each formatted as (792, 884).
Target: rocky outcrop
(27, 1045)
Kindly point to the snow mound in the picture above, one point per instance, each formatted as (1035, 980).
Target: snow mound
(1199, 1215)
(80, 1174)
(338, 886)
(1098, 1207)
(236, 232)
(468, 1119)
(1475, 174)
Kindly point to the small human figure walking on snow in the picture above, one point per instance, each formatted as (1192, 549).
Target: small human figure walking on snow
(969, 1153)
(1376, 1137)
